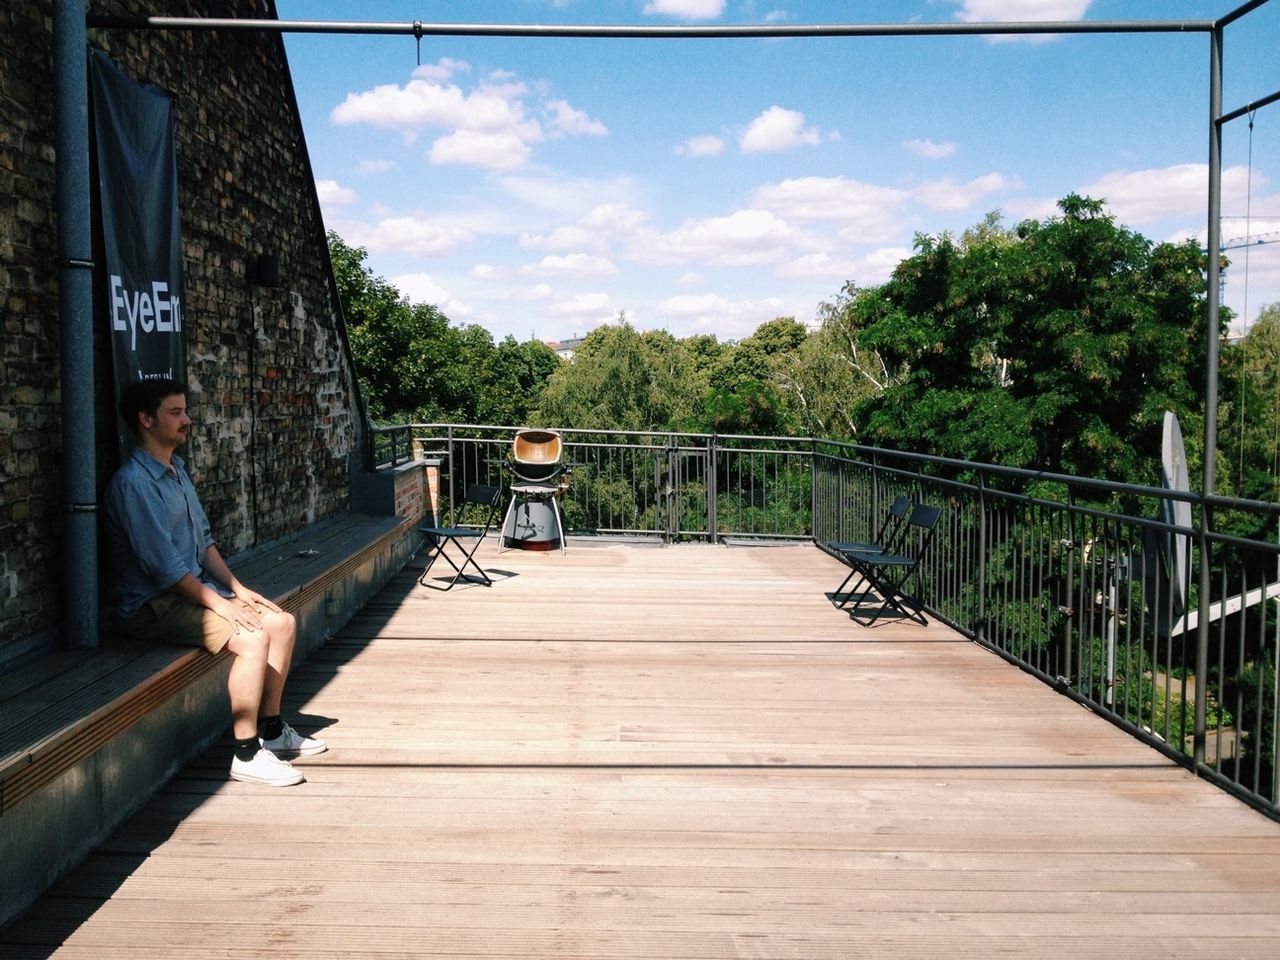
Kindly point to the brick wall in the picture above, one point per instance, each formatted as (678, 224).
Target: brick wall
(417, 492)
(273, 396)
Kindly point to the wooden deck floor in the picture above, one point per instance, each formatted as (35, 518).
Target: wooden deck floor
(630, 752)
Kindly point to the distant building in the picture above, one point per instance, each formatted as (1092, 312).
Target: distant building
(564, 348)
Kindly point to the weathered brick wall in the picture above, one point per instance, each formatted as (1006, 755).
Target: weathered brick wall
(273, 391)
(417, 492)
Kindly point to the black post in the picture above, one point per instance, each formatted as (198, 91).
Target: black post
(75, 322)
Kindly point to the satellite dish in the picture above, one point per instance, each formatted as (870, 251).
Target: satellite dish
(1173, 476)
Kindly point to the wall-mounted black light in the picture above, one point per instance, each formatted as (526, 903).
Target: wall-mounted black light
(264, 270)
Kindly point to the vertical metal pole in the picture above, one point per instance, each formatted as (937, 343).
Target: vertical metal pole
(75, 324)
(713, 493)
(453, 462)
(1211, 381)
(813, 488)
(1275, 700)
(673, 502)
(982, 556)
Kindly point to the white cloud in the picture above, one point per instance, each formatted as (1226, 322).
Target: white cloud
(881, 263)
(376, 166)
(426, 103)
(583, 305)
(332, 194)
(727, 318)
(686, 9)
(570, 121)
(946, 194)
(1012, 11)
(820, 264)
(614, 217)
(743, 238)
(566, 196)
(486, 127)
(504, 150)
(927, 148)
(1030, 208)
(421, 288)
(704, 146)
(599, 229)
(873, 268)
(863, 207)
(408, 235)
(994, 11)
(575, 264)
(778, 129)
(1137, 197)
(442, 69)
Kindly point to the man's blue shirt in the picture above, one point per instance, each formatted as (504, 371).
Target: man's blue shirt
(158, 531)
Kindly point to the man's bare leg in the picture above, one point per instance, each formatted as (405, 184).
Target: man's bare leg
(246, 680)
(281, 630)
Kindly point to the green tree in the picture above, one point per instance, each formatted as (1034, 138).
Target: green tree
(1249, 421)
(624, 380)
(746, 393)
(518, 373)
(832, 373)
(414, 365)
(1057, 346)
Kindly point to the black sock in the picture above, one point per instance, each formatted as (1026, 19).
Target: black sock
(246, 749)
(271, 727)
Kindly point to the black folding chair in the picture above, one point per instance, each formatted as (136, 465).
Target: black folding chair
(488, 497)
(887, 573)
(886, 540)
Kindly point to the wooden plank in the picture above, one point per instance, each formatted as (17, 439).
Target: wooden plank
(315, 554)
(685, 752)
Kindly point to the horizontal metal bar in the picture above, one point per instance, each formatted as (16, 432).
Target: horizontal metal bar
(632, 32)
(1248, 108)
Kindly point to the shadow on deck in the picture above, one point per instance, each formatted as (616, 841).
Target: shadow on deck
(674, 752)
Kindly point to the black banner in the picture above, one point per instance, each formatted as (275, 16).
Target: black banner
(138, 189)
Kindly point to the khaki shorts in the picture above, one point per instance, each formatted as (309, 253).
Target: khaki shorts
(172, 618)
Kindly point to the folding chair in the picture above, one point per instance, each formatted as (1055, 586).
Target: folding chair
(886, 540)
(887, 573)
(490, 497)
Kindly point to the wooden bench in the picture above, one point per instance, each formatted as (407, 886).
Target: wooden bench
(67, 717)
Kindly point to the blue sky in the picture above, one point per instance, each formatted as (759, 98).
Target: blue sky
(539, 187)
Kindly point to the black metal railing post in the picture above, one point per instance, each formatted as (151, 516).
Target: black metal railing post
(1202, 639)
(713, 489)
(450, 461)
(980, 627)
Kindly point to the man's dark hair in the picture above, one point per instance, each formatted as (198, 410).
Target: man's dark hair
(145, 396)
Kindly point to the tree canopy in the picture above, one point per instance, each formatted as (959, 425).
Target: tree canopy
(1054, 345)
(414, 365)
(623, 379)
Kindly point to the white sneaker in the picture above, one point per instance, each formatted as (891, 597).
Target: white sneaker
(291, 743)
(265, 768)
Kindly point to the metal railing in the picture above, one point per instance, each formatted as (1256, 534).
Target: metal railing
(655, 485)
(1082, 582)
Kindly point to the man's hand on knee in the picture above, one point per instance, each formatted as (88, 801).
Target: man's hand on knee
(241, 617)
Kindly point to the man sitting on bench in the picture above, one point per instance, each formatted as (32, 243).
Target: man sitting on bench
(172, 584)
